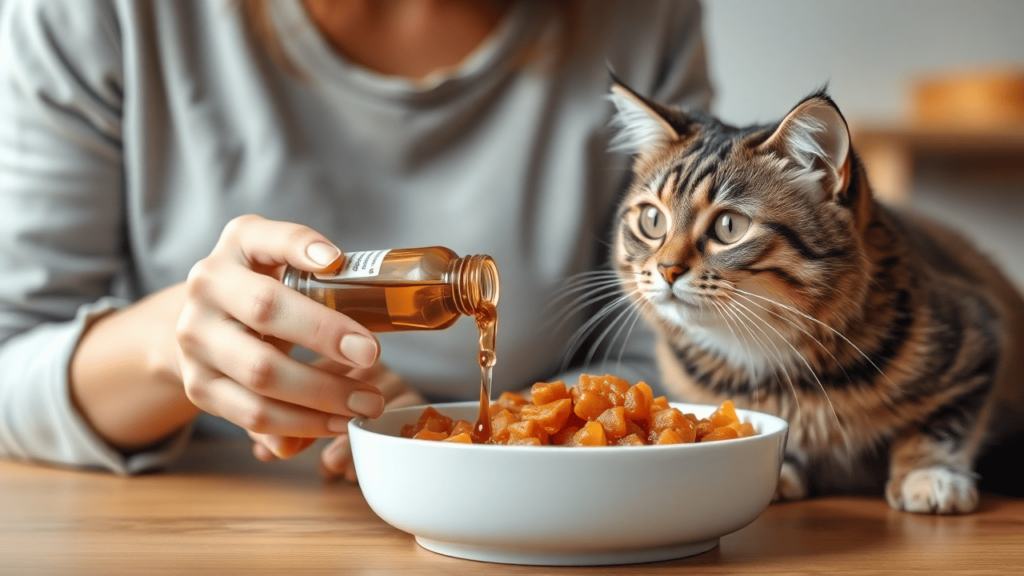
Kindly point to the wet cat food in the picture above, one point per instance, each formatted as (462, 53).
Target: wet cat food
(598, 411)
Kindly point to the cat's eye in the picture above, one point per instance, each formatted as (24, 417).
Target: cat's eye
(652, 223)
(730, 227)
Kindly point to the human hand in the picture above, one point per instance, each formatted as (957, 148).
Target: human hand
(336, 458)
(239, 322)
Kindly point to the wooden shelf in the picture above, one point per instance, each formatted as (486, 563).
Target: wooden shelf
(890, 151)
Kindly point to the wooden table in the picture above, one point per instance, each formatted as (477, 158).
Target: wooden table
(219, 511)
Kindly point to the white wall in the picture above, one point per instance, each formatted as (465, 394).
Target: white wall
(766, 55)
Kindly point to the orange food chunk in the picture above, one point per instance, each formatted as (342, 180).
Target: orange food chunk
(598, 411)
(638, 401)
(637, 428)
(687, 433)
(499, 426)
(590, 435)
(660, 403)
(630, 440)
(725, 415)
(703, 429)
(460, 427)
(462, 438)
(525, 442)
(551, 416)
(425, 434)
(668, 436)
(665, 419)
(589, 382)
(511, 401)
(611, 387)
(434, 421)
(591, 404)
(724, 433)
(564, 436)
(548, 392)
(613, 420)
(526, 429)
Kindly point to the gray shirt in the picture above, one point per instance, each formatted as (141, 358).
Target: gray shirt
(132, 131)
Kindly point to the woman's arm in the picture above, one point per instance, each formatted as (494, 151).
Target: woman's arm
(124, 376)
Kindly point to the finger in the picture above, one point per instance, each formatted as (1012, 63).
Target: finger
(264, 369)
(283, 447)
(262, 453)
(272, 309)
(256, 241)
(228, 399)
(390, 384)
(336, 456)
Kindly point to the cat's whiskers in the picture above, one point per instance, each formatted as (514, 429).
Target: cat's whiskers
(819, 322)
(629, 319)
(835, 415)
(577, 338)
(768, 341)
(597, 343)
(801, 329)
(591, 294)
(750, 357)
(641, 305)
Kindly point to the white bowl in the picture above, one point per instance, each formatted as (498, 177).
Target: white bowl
(556, 506)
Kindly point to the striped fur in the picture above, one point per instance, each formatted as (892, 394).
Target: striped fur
(890, 344)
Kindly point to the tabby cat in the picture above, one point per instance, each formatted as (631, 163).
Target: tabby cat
(772, 277)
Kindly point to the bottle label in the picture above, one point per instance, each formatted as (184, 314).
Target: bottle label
(357, 265)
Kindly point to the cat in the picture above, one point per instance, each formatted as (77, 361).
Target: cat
(772, 277)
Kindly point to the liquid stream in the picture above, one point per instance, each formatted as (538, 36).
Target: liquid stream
(487, 323)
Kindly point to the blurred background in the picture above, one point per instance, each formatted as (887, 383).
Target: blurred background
(933, 90)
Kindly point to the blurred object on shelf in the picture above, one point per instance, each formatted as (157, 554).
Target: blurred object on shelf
(964, 114)
(970, 99)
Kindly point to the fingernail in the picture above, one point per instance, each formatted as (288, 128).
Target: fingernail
(338, 424)
(275, 444)
(359, 349)
(366, 403)
(336, 456)
(322, 254)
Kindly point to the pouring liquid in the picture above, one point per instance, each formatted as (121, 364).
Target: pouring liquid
(487, 323)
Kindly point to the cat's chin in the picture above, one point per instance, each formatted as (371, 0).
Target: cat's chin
(684, 314)
(701, 326)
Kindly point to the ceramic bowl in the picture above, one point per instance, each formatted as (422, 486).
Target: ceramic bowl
(549, 505)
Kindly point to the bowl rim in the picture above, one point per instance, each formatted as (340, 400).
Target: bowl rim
(357, 427)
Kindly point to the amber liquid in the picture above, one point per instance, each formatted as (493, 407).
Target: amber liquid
(410, 292)
(407, 294)
(487, 323)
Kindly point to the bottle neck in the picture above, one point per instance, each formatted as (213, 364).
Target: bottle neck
(474, 281)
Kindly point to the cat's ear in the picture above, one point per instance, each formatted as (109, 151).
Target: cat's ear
(642, 125)
(815, 136)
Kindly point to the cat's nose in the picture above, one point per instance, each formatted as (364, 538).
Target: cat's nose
(671, 271)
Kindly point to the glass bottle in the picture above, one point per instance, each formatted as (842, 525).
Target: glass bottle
(404, 289)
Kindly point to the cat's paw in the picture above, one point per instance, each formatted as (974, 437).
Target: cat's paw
(935, 490)
(792, 485)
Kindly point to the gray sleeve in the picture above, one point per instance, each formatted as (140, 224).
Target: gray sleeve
(61, 210)
(682, 78)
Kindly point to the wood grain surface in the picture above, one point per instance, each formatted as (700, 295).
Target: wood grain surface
(221, 512)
